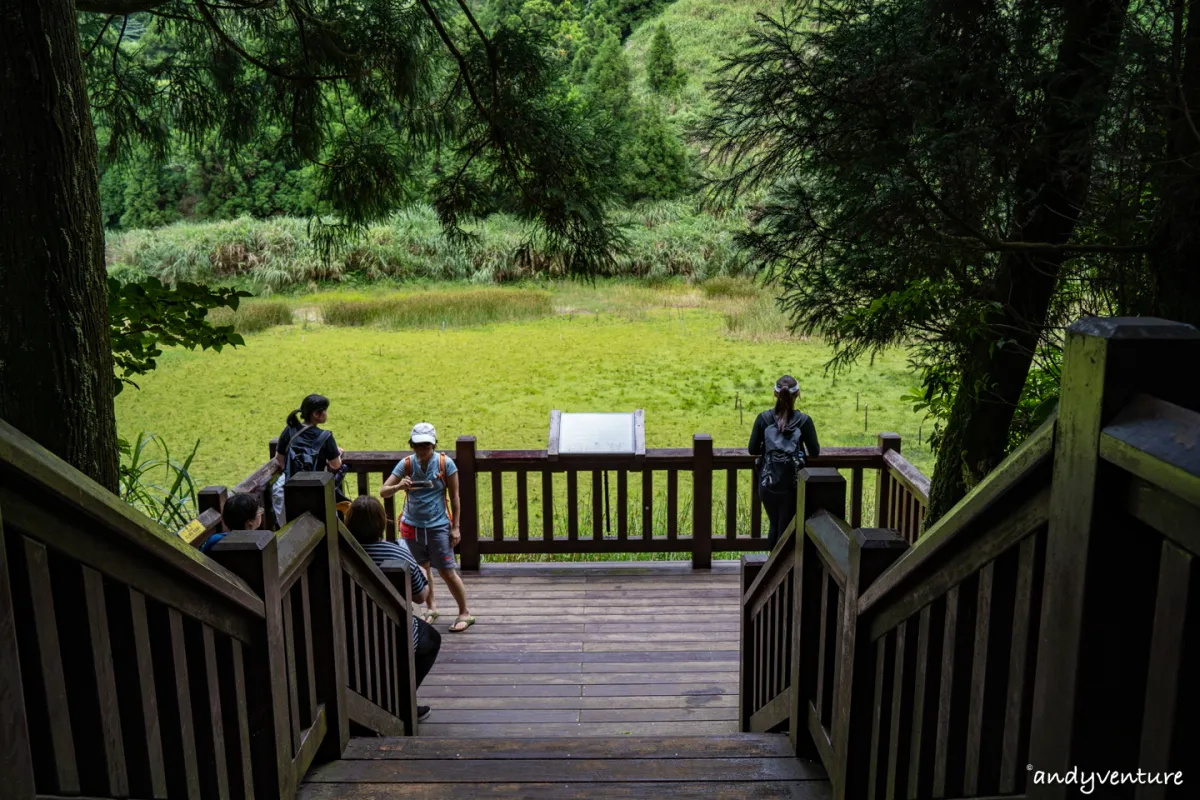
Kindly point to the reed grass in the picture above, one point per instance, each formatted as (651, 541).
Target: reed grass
(253, 316)
(433, 309)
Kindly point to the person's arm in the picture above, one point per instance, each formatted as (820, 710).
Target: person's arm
(758, 436)
(281, 447)
(808, 434)
(332, 454)
(394, 484)
(452, 487)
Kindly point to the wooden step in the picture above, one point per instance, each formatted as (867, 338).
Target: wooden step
(716, 766)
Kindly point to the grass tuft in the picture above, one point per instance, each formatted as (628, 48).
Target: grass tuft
(253, 316)
(729, 286)
(431, 309)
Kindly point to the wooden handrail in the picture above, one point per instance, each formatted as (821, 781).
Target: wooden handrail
(298, 540)
(1157, 441)
(904, 471)
(30, 462)
(367, 566)
(782, 551)
(831, 536)
(1033, 453)
(258, 479)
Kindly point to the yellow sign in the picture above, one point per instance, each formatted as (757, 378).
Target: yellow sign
(190, 531)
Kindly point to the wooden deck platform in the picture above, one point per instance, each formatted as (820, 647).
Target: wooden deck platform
(588, 649)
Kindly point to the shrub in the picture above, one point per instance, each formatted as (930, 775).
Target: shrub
(253, 316)
(432, 309)
(728, 286)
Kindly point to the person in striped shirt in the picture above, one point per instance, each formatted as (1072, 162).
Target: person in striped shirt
(367, 521)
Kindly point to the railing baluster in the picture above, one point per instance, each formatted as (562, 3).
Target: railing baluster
(497, 506)
(755, 506)
(352, 610)
(1168, 643)
(389, 509)
(979, 664)
(149, 698)
(896, 763)
(731, 503)
(243, 722)
(113, 741)
(547, 505)
(1018, 664)
(183, 702)
(361, 478)
(647, 505)
(856, 497)
(673, 504)
(62, 743)
(220, 756)
(877, 720)
(522, 506)
(309, 655)
(622, 506)
(289, 638)
(572, 505)
(823, 654)
(918, 709)
(941, 765)
(597, 505)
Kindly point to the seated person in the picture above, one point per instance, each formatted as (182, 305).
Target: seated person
(241, 513)
(367, 522)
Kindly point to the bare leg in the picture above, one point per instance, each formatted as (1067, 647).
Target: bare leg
(457, 588)
(430, 603)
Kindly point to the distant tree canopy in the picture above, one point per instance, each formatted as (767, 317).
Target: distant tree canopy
(662, 73)
(969, 177)
(202, 174)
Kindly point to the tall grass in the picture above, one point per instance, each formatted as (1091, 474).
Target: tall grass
(435, 308)
(662, 240)
(729, 286)
(757, 319)
(253, 316)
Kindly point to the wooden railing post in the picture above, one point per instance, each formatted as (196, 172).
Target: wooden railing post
(1083, 710)
(818, 488)
(872, 550)
(468, 498)
(702, 505)
(211, 497)
(253, 556)
(752, 564)
(883, 481)
(313, 492)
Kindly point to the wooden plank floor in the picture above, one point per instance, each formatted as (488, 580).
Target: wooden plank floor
(588, 649)
(732, 767)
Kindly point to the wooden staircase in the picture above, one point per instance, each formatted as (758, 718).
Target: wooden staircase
(731, 766)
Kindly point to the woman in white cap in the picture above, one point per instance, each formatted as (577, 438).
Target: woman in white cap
(431, 512)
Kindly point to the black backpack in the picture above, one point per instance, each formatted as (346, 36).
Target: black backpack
(302, 453)
(783, 456)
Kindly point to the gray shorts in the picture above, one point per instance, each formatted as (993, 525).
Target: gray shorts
(432, 546)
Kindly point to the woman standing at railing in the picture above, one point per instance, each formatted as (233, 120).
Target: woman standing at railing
(783, 437)
(305, 447)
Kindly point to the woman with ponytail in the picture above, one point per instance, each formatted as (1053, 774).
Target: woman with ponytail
(305, 447)
(783, 437)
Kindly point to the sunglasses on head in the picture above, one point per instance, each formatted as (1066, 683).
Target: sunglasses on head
(790, 389)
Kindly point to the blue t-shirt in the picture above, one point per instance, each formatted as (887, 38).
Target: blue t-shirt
(425, 508)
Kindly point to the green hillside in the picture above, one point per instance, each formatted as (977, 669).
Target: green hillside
(702, 32)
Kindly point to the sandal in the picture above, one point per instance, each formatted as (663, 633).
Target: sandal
(466, 620)
(430, 615)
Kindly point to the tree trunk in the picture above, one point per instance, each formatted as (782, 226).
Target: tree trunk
(56, 376)
(1051, 190)
(1175, 265)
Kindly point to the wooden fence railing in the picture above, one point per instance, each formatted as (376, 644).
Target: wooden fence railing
(1046, 623)
(185, 676)
(674, 500)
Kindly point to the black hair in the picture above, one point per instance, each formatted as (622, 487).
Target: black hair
(309, 406)
(240, 510)
(366, 519)
(785, 402)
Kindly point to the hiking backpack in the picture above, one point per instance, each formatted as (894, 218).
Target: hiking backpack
(441, 476)
(299, 457)
(783, 456)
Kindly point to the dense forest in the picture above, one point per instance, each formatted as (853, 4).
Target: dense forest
(214, 177)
